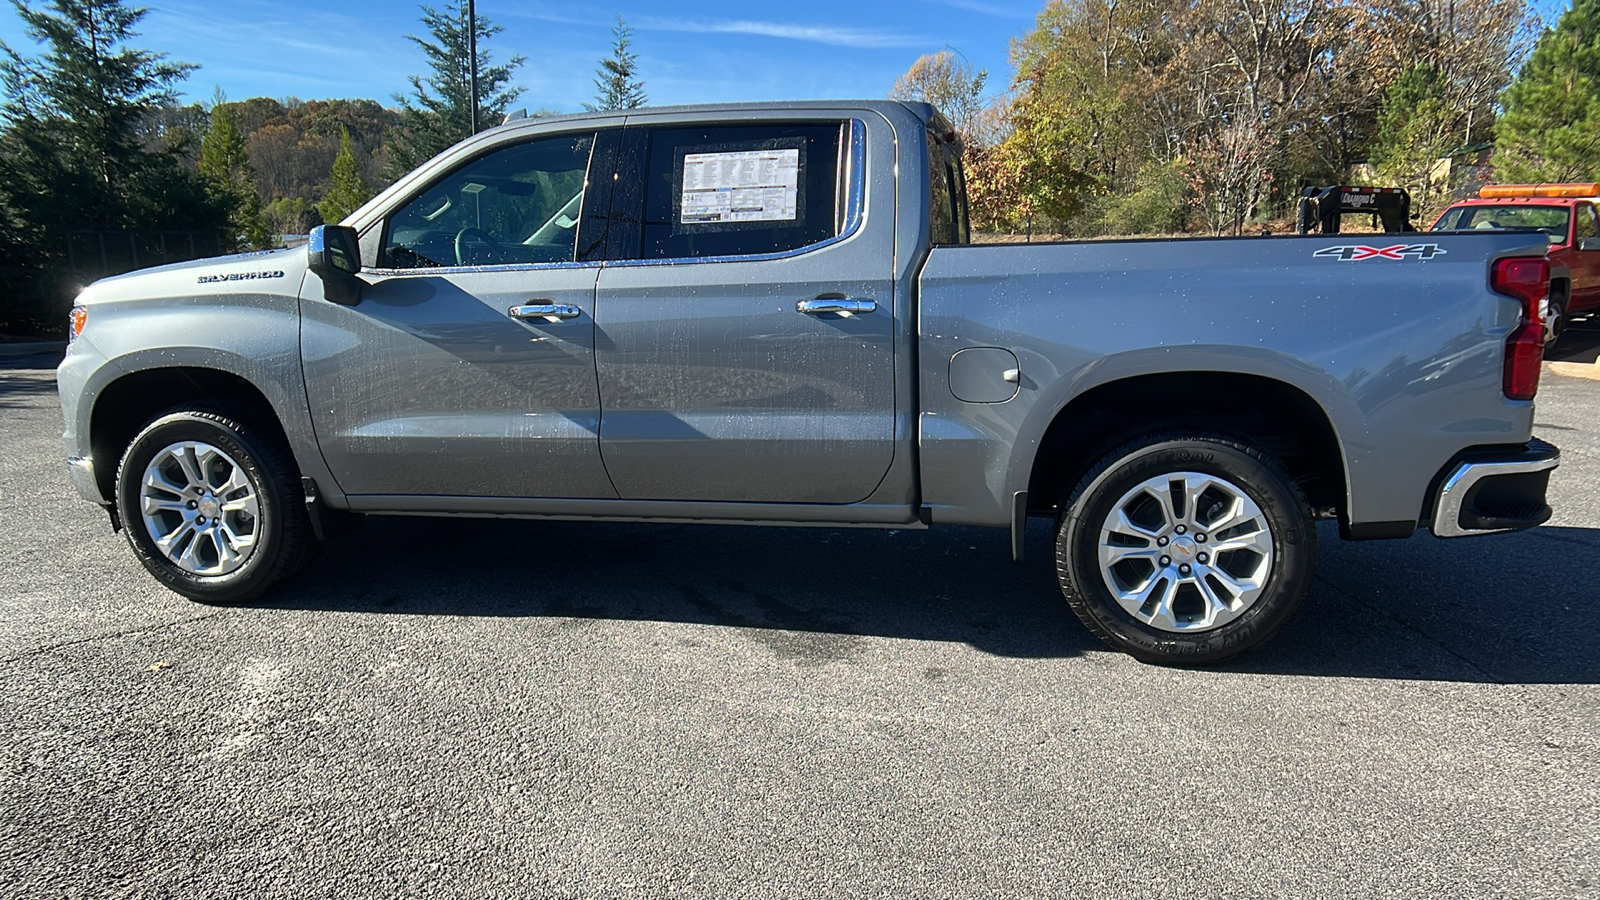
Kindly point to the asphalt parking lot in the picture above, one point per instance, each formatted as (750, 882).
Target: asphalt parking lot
(476, 709)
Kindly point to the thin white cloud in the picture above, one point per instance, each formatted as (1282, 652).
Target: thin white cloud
(313, 52)
(835, 36)
(996, 10)
(202, 24)
(860, 38)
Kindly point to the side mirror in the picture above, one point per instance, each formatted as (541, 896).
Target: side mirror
(1589, 244)
(334, 253)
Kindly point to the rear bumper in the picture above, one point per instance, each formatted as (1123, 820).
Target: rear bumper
(1490, 489)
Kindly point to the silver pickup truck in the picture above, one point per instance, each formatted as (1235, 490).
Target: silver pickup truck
(772, 314)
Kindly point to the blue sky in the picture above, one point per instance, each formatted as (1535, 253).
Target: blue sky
(693, 51)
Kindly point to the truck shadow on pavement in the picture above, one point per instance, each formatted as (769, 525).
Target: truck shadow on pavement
(1506, 609)
(949, 585)
(1579, 344)
(1509, 609)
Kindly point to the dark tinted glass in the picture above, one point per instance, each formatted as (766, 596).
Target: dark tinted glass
(516, 205)
(736, 191)
(958, 190)
(941, 202)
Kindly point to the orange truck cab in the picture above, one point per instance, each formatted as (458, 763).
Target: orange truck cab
(1566, 213)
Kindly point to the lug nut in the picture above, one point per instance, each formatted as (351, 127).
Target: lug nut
(1180, 529)
(193, 505)
(1200, 538)
(200, 521)
(1166, 560)
(1202, 559)
(1162, 542)
(1183, 569)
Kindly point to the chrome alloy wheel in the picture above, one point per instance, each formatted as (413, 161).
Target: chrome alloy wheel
(199, 508)
(1186, 552)
(1554, 321)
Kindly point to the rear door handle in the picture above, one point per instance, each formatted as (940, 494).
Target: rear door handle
(550, 312)
(841, 306)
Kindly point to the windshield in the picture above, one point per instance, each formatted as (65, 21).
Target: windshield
(1552, 220)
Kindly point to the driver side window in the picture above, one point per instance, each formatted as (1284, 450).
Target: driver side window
(518, 204)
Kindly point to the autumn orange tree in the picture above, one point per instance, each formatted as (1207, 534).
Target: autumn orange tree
(1135, 116)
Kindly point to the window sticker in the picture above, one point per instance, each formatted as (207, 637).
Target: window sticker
(740, 186)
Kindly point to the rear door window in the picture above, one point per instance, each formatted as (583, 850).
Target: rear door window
(714, 191)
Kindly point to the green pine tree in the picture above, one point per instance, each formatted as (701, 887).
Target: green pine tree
(76, 142)
(1550, 129)
(438, 112)
(1417, 126)
(226, 167)
(346, 190)
(617, 77)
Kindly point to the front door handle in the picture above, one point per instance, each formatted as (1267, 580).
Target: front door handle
(550, 312)
(841, 306)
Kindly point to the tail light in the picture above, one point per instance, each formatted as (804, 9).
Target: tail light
(1526, 278)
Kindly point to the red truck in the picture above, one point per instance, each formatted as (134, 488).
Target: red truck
(1566, 213)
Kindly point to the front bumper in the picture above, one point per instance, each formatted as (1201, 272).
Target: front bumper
(1491, 489)
(81, 470)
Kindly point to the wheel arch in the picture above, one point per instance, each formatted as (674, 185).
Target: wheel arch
(1281, 417)
(1561, 286)
(124, 405)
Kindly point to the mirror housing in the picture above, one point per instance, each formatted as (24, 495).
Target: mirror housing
(1592, 243)
(334, 253)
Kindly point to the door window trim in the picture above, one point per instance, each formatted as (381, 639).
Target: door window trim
(1592, 212)
(853, 179)
(597, 195)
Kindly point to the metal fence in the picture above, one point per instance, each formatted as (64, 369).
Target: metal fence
(93, 254)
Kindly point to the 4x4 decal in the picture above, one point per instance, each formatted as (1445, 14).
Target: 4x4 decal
(1359, 252)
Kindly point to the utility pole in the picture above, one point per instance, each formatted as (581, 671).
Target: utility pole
(472, 57)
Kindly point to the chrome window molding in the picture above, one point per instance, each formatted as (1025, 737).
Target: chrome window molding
(473, 270)
(854, 175)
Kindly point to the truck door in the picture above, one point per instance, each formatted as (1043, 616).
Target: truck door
(1584, 264)
(746, 316)
(467, 369)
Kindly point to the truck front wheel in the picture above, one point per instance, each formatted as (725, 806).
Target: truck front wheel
(1185, 549)
(211, 506)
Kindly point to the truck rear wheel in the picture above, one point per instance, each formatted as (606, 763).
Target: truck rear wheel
(1185, 549)
(1555, 319)
(211, 506)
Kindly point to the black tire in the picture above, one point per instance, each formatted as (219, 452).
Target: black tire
(279, 531)
(1175, 632)
(1556, 320)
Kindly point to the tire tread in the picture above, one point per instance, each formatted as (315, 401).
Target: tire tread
(1080, 604)
(297, 544)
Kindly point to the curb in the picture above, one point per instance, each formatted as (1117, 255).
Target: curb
(31, 348)
(1590, 371)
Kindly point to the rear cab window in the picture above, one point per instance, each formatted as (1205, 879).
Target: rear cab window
(947, 193)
